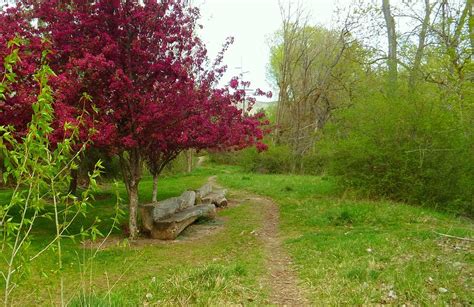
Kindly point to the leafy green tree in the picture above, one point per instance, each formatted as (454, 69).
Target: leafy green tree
(39, 170)
(316, 70)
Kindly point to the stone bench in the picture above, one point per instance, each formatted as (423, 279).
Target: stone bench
(166, 219)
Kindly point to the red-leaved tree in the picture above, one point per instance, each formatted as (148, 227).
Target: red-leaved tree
(15, 109)
(141, 73)
(215, 121)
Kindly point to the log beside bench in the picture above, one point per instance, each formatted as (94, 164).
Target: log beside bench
(207, 195)
(170, 228)
(217, 198)
(166, 219)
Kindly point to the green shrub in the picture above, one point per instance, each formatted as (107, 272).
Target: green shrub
(418, 152)
(225, 158)
(312, 164)
(276, 160)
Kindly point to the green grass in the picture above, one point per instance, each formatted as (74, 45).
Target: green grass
(366, 252)
(346, 251)
(225, 267)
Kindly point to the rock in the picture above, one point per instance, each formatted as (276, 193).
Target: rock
(392, 295)
(442, 290)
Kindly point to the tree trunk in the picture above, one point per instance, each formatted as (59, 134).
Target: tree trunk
(133, 208)
(392, 47)
(470, 5)
(155, 188)
(131, 170)
(1, 174)
(419, 51)
(189, 159)
(73, 182)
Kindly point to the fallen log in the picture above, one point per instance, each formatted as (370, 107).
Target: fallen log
(171, 227)
(188, 198)
(168, 218)
(202, 192)
(158, 211)
(216, 197)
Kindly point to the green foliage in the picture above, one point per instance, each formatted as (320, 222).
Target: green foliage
(226, 158)
(277, 159)
(89, 158)
(179, 164)
(418, 151)
(316, 71)
(39, 171)
(411, 140)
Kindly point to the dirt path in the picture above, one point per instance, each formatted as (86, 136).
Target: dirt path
(201, 160)
(282, 279)
(285, 287)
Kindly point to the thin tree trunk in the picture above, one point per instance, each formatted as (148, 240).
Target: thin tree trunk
(131, 169)
(392, 47)
(155, 188)
(470, 5)
(133, 208)
(456, 40)
(419, 51)
(1, 174)
(73, 183)
(189, 159)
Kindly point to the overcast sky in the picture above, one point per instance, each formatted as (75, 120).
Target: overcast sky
(251, 22)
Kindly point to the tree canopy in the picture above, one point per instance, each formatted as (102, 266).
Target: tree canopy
(138, 75)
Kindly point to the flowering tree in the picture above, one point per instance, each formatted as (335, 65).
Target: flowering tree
(139, 71)
(19, 92)
(216, 121)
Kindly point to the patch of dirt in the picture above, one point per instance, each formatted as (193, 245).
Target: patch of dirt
(450, 245)
(285, 287)
(198, 231)
(201, 160)
(194, 232)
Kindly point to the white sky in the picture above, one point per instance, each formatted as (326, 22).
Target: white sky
(251, 22)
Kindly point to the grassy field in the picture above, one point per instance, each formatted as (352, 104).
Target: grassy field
(367, 252)
(220, 268)
(345, 251)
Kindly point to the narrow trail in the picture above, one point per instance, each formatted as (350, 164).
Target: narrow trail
(285, 286)
(201, 160)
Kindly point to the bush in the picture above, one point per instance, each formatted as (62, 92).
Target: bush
(276, 160)
(409, 151)
(225, 158)
(312, 164)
